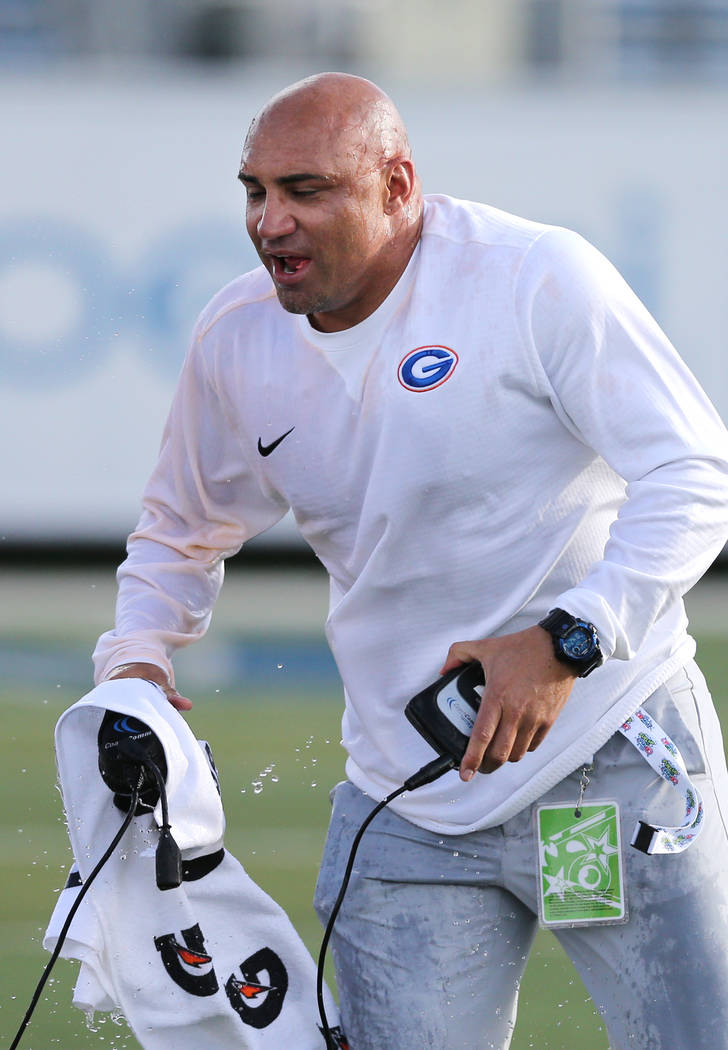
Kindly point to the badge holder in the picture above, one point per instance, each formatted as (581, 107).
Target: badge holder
(581, 875)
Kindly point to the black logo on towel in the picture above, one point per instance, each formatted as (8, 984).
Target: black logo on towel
(188, 965)
(258, 998)
(256, 994)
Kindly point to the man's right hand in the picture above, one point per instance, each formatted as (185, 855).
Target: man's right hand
(152, 673)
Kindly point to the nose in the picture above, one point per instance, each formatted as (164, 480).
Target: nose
(275, 218)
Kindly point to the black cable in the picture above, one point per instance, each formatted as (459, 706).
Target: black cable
(71, 913)
(432, 771)
(168, 857)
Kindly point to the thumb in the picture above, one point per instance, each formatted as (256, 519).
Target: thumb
(178, 702)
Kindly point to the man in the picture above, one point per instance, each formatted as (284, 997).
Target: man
(476, 425)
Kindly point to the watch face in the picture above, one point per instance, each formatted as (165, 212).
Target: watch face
(578, 643)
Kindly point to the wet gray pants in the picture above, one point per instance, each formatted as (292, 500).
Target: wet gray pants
(435, 931)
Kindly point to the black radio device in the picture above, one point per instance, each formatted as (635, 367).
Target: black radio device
(444, 713)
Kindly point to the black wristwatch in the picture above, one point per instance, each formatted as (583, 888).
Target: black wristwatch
(576, 642)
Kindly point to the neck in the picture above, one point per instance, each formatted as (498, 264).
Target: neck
(361, 308)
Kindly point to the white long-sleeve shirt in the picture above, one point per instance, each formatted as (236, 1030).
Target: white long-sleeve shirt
(556, 453)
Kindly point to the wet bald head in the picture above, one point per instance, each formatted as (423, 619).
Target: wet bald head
(352, 113)
(334, 206)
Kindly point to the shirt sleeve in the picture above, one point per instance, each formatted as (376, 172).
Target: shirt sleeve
(617, 383)
(201, 504)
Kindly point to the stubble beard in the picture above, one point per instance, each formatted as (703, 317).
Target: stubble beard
(296, 303)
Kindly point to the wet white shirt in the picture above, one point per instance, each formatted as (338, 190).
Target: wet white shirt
(509, 432)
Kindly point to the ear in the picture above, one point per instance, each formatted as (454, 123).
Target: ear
(400, 180)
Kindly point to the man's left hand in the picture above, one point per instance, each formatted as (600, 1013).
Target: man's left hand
(525, 689)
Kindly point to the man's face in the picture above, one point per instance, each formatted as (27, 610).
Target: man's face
(316, 215)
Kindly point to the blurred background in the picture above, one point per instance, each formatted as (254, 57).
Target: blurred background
(120, 214)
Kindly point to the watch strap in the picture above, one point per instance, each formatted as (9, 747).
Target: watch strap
(558, 623)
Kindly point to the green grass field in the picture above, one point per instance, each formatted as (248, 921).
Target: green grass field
(278, 756)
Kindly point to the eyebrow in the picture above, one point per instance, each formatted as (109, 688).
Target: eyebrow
(285, 180)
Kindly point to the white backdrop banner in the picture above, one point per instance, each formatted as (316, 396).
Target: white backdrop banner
(121, 214)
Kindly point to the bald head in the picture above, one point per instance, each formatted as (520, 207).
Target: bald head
(343, 107)
(333, 201)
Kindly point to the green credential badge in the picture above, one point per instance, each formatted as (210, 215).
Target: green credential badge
(580, 865)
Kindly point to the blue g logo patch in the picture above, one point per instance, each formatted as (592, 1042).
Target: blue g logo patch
(426, 367)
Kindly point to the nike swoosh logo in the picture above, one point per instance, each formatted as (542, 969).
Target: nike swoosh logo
(265, 450)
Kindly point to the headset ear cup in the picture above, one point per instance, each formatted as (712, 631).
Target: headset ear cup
(125, 745)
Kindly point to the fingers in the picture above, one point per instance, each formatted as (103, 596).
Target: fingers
(483, 735)
(488, 720)
(501, 738)
(525, 689)
(538, 736)
(505, 734)
(179, 703)
(493, 736)
(458, 654)
(501, 735)
(524, 742)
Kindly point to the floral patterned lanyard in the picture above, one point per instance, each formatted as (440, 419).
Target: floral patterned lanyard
(659, 750)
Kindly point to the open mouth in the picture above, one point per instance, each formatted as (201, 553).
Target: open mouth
(286, 267)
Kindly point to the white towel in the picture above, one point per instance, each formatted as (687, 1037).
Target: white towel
(215, 963)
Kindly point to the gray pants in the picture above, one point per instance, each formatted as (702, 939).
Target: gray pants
(434, 933)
